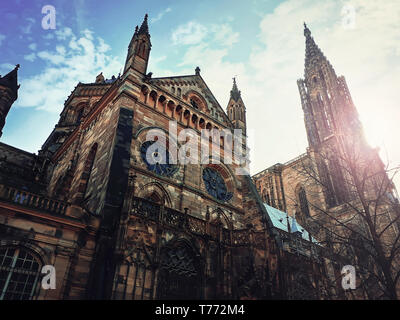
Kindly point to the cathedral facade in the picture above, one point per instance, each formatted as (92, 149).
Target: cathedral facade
(115, 225)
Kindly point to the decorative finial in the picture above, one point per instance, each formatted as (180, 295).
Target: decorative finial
(197, 70)
(136, 29)
(17, 66)
(100, 78)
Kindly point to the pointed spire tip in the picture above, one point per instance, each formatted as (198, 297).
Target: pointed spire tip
(235, 93)
(307, 32)
(144, 28)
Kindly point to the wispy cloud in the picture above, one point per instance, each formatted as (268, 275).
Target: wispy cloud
(30, 57)
(224, 35)
(6, 68)
(189, 33)
(27, 27)
(192, 33)
(49, 36)
(32, 46)
(75, 59)
(64, 33)
(160, 15)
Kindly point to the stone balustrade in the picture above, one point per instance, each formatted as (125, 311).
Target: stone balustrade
(179, 220)
(31, 200)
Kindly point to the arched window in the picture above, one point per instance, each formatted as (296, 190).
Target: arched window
(315, 80)
(79, 115)
(19, 273)
(326, 181)
(338, 181)
(142, 50)
(266, 198)
(193, 102)
(155, 197)
(303, 202)
(325, 115)
(272, 196)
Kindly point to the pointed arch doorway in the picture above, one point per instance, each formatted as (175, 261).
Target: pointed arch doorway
(179, 277)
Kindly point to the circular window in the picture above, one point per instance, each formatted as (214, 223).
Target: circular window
(158, 160)
(215, 184)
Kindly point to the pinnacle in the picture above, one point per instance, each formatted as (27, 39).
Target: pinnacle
(312, 50)
(144, 28)
(307, 32)
(235, 93)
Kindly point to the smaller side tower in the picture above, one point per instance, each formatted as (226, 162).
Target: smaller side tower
(236, 110)
(8, 94)
(139, 49)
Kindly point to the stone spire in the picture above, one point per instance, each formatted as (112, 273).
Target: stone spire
(236, 109)
(139, 48)
(8, 94)
(313, 52)
(10, 81)
(144, 28)
(235, 93)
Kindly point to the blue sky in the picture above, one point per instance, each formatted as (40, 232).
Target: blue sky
(260, 42)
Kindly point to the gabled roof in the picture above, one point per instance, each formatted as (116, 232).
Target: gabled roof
(280, 221)
(196, 80)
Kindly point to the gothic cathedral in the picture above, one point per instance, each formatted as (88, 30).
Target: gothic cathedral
(115, 225)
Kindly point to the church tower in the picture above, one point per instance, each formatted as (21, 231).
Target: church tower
(8, 94)
(236, 110)
(139, 49)
(331, 120)
(328, 108)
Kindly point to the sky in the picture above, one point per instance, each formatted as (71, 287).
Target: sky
(260, 42)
